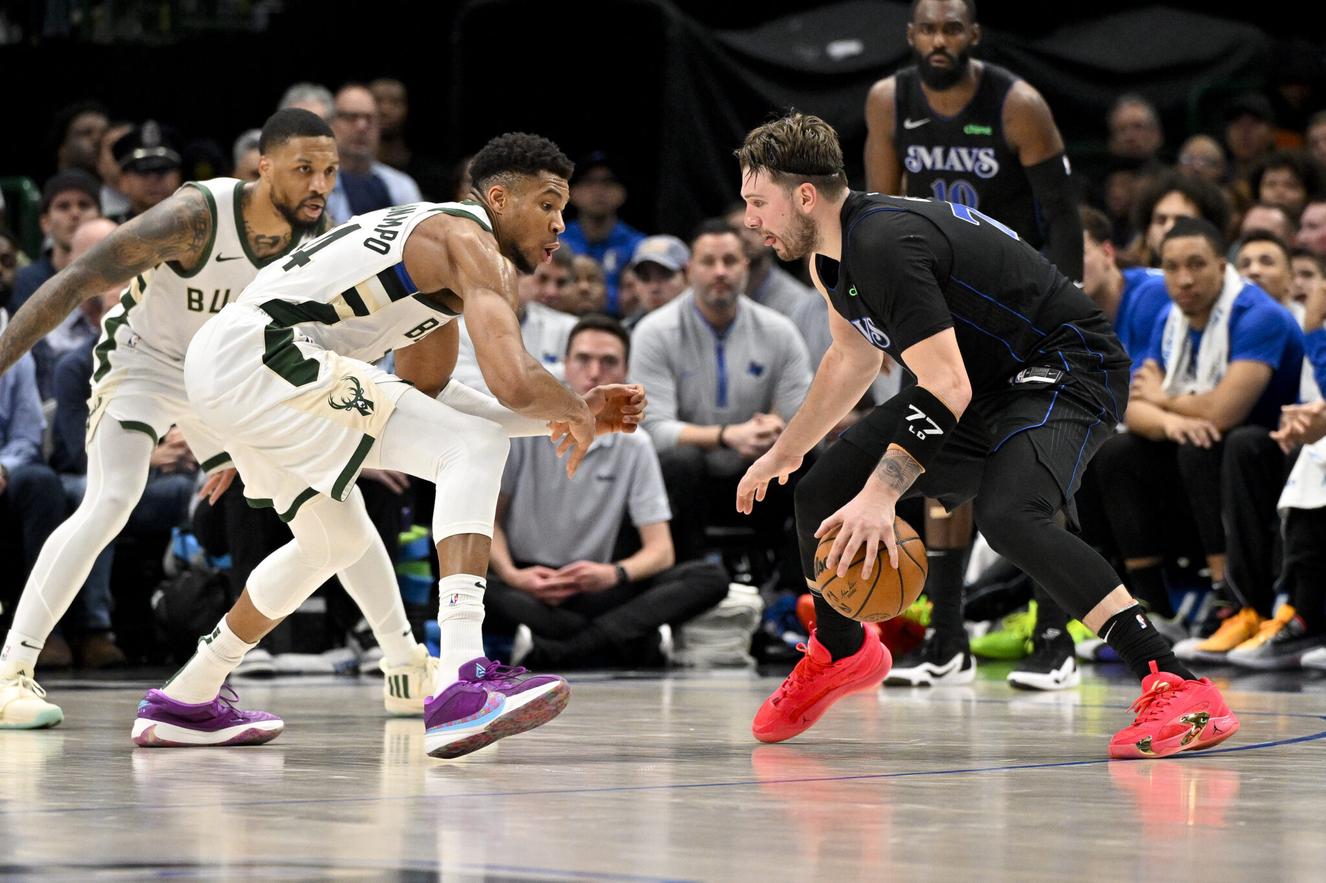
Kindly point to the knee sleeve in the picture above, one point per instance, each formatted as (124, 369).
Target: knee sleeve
(469, 481)
(329, 536)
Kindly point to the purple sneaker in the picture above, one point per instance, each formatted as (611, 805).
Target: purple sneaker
(164, 723)
(487, 702)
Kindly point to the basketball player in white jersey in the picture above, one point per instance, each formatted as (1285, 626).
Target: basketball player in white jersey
(183, 260)
(285, 376)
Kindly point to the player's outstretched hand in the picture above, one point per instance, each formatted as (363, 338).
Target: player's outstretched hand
(216, 485)
(617, 407)
(754, 484)
(574, 435)
(868, 519)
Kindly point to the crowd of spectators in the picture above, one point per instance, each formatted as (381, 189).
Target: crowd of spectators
(1207, 252)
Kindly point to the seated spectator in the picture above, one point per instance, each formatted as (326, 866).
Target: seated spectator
(1312, 227)
(597, 193)
(1264, 259)
(1132, 299)
(79, 128)
(588, 291)
(1202, 156)
(1316, 137)
(1249, 131)
(435, 179)
(12, 260)
(150, 168)
(1274, 219)
(68, 199)
(723, 375)
(244, 155)
(312, 97)
(1165, 199)
(628, 296)
(550, 280)
(544, 330)
(31, 499)
(658, 270)
(554, 567)
(1135, 131)
(1223, 356)
(1308, 288)
(769, 284)
(114, 204)
(1285, 178)
(364, 184)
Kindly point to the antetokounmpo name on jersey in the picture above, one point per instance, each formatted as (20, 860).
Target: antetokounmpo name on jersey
(979, 161)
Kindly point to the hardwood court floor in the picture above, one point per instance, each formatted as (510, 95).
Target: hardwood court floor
(658, 778)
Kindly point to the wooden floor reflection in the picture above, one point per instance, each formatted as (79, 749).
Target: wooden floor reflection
(658, 778)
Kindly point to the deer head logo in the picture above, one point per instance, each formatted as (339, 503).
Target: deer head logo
(351, 396)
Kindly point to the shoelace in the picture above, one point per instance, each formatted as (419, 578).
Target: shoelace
(795, 678)
(25, 682)
(227, 696)
(1152, 703)
(500, 672)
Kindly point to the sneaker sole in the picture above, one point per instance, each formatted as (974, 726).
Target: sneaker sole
(533, 712)
(1217, 730)
(44, 719)
(155, 734)
(867, 683)
(906, 678)
(1042, 682)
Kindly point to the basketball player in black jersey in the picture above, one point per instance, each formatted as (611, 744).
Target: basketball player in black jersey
(970, 132)
(1019, 379)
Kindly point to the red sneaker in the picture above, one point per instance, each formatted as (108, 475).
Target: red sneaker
(1174, 715)
(816, 683)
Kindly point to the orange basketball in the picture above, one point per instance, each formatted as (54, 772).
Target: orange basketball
(887, 592)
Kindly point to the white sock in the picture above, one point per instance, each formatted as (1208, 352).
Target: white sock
(201, 677)
(460, 621)
(371, 583)
(19, 654)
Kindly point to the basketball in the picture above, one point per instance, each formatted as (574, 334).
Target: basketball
(887, 592)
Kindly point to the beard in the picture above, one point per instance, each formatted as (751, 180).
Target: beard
(940, 79)
(298, 225)
(801, 239)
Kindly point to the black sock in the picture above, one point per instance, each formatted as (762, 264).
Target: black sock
(840, 636)
(1137, 642)
(1148, 586)
(943, 586)
(1049, 615)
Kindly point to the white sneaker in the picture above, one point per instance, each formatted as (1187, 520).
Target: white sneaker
(521, 644)
(405, 686)
(1314, 658)
(23, 705)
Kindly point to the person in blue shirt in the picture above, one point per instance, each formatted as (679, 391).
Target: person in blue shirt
(1224, 355)
(598, 194)
(1131, 298)
(31, 499)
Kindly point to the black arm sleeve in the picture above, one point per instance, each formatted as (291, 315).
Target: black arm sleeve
(1061, 226)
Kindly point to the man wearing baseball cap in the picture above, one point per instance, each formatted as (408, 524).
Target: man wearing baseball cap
(68, 199)
(150, 167)
(659, 265)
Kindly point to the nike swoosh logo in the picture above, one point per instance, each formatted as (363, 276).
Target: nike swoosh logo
(237, 257)
(915, 124)
(29, 646)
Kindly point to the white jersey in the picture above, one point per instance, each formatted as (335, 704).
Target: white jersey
(161, 310)
(348, 292)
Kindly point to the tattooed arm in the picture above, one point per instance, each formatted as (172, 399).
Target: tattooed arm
(175, 230)
(897, 470)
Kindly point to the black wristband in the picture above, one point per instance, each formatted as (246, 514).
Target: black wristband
(721, 443)
(925, 425)
(622, 576)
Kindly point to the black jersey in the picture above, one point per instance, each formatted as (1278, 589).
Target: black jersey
(911, 268)
(965, 158)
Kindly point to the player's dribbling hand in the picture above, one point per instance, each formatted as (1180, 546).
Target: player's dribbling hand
(216, 485)
(867, 519)
(755, 483)
(617, 407)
